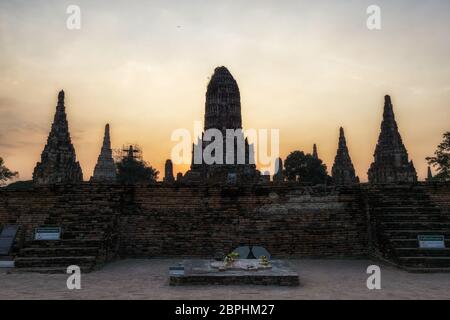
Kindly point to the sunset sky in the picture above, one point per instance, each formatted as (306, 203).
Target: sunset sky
(304, 67)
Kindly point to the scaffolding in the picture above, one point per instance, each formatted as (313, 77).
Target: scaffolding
(128, 151)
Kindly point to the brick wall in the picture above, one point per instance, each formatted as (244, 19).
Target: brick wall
(168, 221)
(202, 221)
(440, 194)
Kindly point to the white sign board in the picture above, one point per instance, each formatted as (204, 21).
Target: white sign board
(47, 233)
(6, 264)
(176, 271)
(431, 242)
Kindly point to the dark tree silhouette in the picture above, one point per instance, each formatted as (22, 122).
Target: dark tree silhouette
(134, 171)
(305, 168)
(441, 159)
(20, 185)
(5, 173)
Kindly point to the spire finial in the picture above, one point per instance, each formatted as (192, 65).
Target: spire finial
(61, 96)
(315, 154)
(107, 130)
(387, 99)
(388, 108)
(106, 138)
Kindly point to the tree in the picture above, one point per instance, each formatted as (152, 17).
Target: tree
(441, 159)
(305, 168)
(133, 171)
(5, 173)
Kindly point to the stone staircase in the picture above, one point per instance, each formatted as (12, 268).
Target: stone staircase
(398, 214)
(87, 240)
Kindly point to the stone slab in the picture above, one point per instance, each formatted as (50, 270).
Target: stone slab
(6, 263)
(7, 237)
(200, 272)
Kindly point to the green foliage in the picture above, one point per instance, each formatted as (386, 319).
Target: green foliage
(264, 261)
(5, 173)
(441, 159)
(231, 258)
(305, 168)
(133, 171)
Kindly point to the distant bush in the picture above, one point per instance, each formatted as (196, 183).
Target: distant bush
(20, 185)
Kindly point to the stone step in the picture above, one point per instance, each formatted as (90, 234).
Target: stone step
(411, 243)
(413, 233)
(64, 243)
(427, 270)
(402, 198)
(87, 222)
(420, 252)
(416, 225)
(402, 201)
(59, 251)
(82, 236)
(386, 214)
(50, 270)
(425, 262)
(33, 262)
(412, 219)
(409, 209)
(84, 230)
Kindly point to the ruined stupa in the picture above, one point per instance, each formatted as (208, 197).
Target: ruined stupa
(343, 171)
(391, 164)
(279, 175)
(223, 112)
(105, 169)
(315, 154)
(429, 175)
(58, 160)
(168, 172)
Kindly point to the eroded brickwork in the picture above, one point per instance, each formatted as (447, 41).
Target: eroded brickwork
(178, 220)
(103, 222)
(288, 221)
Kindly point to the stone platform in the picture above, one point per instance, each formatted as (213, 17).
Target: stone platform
(201, 272)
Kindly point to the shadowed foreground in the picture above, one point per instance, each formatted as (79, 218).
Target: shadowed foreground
(147, 279)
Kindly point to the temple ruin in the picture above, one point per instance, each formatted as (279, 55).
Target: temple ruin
(168, 172)
(391, 163)
(58, 160)
(105, 169)
(343, 171)
(216, 207)
(223, 112)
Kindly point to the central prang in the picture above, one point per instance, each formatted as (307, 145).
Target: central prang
(223, 113)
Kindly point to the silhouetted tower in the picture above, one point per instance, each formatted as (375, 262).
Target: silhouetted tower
(315, 154)
(429, 175)
(343, 171)
(105, 169)
(391, 163)
(58, 160)
(279, 175)
(222, 112)
(168, 172)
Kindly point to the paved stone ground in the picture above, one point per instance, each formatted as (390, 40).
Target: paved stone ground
(147, 279)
